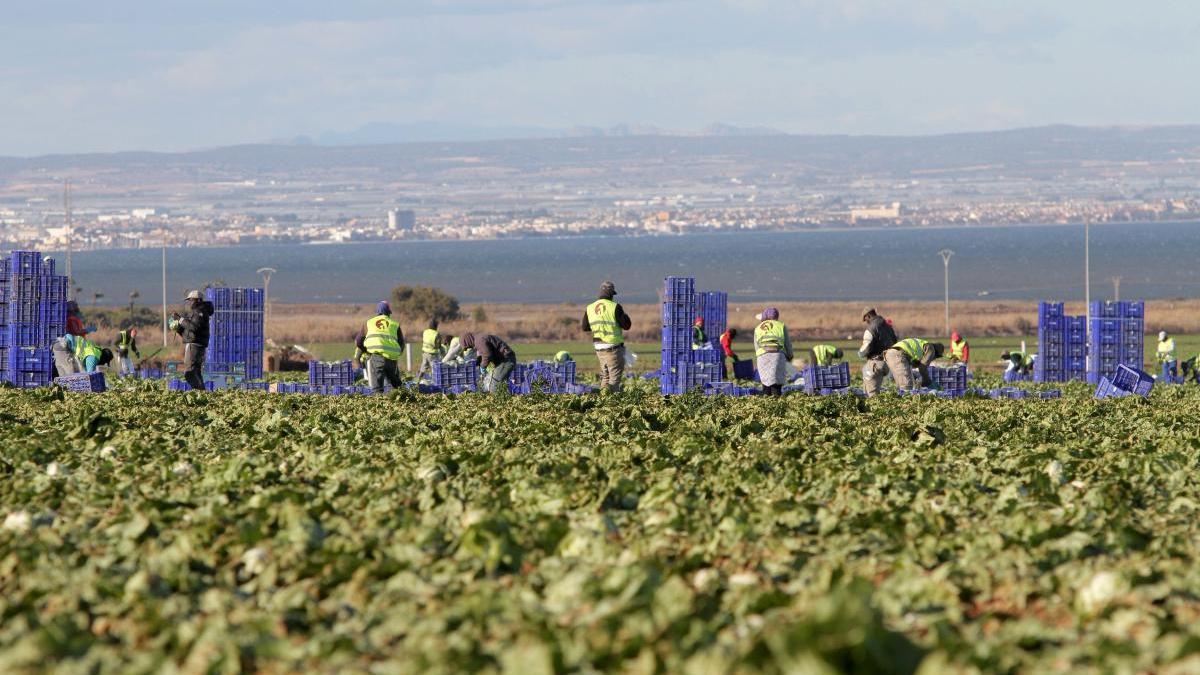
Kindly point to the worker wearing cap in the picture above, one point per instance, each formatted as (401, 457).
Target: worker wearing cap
(911, 353)
(379, 346)
(74, 354)
(1017, 362)
(878, 337)
(126, 344)
(960, 351)
(824, 355)
(192, 327)
(699, 339)
(773, 351)
(606, 320)
(430, 349)
(1166, 355)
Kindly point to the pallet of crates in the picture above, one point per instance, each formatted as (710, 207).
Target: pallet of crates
(678, 312)
(91, 383)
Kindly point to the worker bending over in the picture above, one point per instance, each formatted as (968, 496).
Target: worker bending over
(878, 337)
(911, 353)
(453, 353)
(1167, 362)
(1018, 362)
(430, 349)
(379, 346)
(126, 344)
(562, 357)
(494, 355)
(74, 354)
(773, 350)
(824, 355)
(960, 351)
(606, 320)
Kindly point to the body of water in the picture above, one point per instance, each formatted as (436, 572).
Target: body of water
(1154, 260)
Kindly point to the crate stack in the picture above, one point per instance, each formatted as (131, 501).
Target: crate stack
(714, 307)
(235, 347)
(1116, 337)
(1062, 345)
(34, 314)
(684, 368)
(331, 374)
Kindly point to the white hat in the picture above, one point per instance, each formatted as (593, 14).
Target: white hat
(193, 295)
(1162, 335)
(758, 317)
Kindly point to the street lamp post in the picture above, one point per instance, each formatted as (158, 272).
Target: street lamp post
(266, 273)
(946, 253)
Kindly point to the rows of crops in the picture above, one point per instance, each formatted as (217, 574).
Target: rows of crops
(225, 532)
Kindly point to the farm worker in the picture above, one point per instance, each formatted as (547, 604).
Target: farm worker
(381, 343)
(429, 348)
(453, 352)
(726, 341)
(192, 327)
(1188, 366)
(824, 355)
(607, 321)
(74, 354)
(126, 343)
(699, 339)
(908, 354)
(772, 350)
(1018, 362)
(75, 320)
(878, 337)
(1166, 354)
(563, 357)
(495, 355)
(960, 351)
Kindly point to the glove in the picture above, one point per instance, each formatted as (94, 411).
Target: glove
(735, 358)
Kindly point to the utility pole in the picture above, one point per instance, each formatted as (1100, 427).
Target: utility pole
(946, 253)
(164, 287)
(1087, 273)
(1116, 289)
(70, 228)
(266, 273)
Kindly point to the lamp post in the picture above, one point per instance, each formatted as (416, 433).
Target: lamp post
(946, 253)
(266, 273)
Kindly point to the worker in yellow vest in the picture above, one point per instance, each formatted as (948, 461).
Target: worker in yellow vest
(607, 321)
(960, 351)
(431, 350)
(911, 353)
(824, 355)
(73, 354)
(1017, 362)
(772, 351)
(1166, 355)
(379, 346)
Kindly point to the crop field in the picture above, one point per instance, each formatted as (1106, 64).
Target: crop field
(231, 532)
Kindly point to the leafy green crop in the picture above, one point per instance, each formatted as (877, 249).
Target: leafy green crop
(146, 531)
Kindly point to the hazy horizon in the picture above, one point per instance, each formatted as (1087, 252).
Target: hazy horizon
(161, 76)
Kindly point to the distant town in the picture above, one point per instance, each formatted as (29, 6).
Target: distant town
(540, 188)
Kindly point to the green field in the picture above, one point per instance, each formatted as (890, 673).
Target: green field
(231, 532)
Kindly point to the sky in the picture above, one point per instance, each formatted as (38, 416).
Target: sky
(86, 76)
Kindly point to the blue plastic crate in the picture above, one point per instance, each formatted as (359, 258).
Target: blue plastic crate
(953, 377)
(1133, 309)
(29, 359)
(83, 382)
(1050, 394)
(826, 377)
(28, 379)
(1133, 380)
(5, 269)
(1008, 392)
(1050, 310)
(677, 338)
(677, 286)
(744, 370)
(1106, 389)
(25, 262)
(678, 314)
(1107, 310)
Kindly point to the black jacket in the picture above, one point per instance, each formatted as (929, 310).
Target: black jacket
(882, 337)
(193, 323)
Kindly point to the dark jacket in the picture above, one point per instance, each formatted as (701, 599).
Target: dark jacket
(193, 323)
(622, 320)
(491, 349)
(882, 337)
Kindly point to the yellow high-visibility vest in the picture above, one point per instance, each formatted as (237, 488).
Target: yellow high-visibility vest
(602, 317)
(383, 337)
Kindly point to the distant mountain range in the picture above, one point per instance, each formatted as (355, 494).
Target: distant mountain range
(380, 133)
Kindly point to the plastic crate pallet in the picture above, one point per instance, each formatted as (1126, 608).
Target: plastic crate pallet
(25, 262)
(83, 382)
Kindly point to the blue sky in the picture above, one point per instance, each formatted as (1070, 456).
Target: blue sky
(166, 75)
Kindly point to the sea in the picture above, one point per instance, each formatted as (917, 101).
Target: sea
(1152, 260)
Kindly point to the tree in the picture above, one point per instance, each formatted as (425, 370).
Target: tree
(424, 302)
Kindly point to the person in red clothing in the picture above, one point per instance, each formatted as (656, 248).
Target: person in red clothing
(960, 351)
(727, 339)
(75, 320)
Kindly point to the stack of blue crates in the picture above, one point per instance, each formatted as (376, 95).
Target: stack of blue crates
(953, 378)
(447, 376)
(236, 332)
(1062, 345)
(34, 315)
(678, 313)
(714, 307)
(826, 379)
(1116, 337)
(331, 374)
